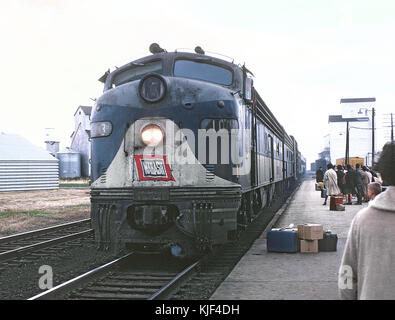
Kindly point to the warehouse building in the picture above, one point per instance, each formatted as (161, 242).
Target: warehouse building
(24, 166)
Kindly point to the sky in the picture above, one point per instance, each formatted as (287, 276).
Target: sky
(306, 55)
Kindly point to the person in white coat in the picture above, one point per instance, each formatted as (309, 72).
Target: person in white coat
(330, 182)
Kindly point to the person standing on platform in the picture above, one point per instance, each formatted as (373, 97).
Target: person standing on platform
(330, 182)
(366, 179)
(368, 263)
(358, 183)
(319, 175)
(349, 187)
(374, 189)
(341, 178)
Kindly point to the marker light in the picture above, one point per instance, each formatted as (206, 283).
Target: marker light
(101, 129)
(152, 135)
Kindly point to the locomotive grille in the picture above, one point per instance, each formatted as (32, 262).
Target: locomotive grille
(103, 176)
(209, 172)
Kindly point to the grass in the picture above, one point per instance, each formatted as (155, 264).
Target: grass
(74, 182)
(73, 185)
(83, 205)
(29, 213)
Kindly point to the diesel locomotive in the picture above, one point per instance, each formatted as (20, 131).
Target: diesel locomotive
(185, 154)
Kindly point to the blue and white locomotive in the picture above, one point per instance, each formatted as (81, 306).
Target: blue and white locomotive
(185, 154)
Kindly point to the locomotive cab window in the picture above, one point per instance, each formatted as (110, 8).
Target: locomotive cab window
(203, 71)
(137, 72)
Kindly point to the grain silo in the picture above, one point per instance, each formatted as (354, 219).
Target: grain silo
(24, 166)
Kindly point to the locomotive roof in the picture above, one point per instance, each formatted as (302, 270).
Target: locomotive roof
(168, 58)
(187, 55)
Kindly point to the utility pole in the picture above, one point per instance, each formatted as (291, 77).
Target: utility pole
(347, 145)
(372, 137)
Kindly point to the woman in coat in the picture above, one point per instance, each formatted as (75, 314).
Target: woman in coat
(330, 182)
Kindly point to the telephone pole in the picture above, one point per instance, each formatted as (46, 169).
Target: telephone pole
(373, 112)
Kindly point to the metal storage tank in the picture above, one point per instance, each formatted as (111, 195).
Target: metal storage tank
(69, 163)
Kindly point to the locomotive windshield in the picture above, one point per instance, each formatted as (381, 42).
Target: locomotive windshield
(203, 71)
(137, 72)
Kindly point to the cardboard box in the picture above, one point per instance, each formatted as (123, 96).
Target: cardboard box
(308, 246)
(310, 231)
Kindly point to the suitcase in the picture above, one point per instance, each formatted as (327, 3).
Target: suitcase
(282, 240)
(328, 243)
(334, 201)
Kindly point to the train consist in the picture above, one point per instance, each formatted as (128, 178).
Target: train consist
(185, 154)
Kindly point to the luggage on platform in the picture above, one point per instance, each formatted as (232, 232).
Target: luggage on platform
(283, 240)
(309, 246)
(334, 201)
(328, 242)
(310, 231)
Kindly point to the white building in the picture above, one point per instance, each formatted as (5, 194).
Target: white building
(80, 138)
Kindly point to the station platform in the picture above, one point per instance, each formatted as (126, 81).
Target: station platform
(263, 275)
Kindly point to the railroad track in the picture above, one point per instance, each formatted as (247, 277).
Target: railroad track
(19, 245)
(131, 277)
(217, 266)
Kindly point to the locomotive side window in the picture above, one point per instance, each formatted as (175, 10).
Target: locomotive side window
(218, 124)
(203, 71)
(137, 72)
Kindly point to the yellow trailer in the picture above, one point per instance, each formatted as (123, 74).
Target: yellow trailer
(352, 161)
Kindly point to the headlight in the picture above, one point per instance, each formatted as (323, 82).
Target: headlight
(152, 135)
(101, 129)
(152, 88)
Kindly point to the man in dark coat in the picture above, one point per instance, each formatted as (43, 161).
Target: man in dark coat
(341, 181)
(319, 175)
(349, 187)
(358, 183)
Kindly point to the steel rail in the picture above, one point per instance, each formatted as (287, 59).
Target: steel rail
(68, 286)
(11, 254)
(35, 233)
(164, 292)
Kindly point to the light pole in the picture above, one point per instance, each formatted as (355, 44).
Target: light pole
(346, 158)
(373, 114)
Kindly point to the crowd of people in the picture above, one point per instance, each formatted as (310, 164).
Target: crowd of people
(368, 261)
(362, 182)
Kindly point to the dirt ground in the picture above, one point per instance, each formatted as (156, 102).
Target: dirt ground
(29, 210)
